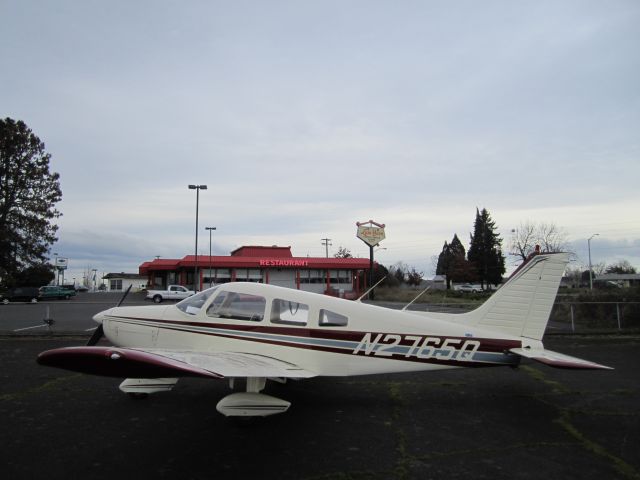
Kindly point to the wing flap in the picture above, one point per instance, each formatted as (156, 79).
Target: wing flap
(558, 360)
(236, 364)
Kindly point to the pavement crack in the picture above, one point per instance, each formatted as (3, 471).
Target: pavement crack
(625, 469)
(47, 386)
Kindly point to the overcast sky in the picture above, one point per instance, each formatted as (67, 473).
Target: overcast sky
(304, 117)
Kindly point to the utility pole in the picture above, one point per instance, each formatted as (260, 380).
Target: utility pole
(590, 268)
(211, 229)
(327, 243)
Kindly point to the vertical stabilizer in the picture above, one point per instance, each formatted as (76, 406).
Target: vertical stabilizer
(522, 306)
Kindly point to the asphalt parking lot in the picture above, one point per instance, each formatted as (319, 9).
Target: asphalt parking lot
(534, 422)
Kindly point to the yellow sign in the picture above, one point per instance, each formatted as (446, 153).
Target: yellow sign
(370, 232)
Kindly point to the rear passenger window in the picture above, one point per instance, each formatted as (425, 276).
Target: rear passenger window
(237, 306)
(289, 313)
(332, 319)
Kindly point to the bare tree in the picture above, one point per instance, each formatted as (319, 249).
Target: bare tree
(414, 277)
(548, 236)
(343, 252)
(621, 266)
(574, 274)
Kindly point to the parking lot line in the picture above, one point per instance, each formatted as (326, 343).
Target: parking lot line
(29, 328)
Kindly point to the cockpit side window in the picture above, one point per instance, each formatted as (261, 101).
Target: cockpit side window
(332, 319)
(289, 313)
(193, 304)
(237, 306)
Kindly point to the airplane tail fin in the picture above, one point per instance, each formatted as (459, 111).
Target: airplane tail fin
(521, 307)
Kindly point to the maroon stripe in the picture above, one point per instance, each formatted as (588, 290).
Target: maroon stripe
(487, 345)
(490, 345)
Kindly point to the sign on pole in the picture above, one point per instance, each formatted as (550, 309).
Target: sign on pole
(62, 263)
(370, 232)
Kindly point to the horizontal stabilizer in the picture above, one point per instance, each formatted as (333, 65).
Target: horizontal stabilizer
(557, 360)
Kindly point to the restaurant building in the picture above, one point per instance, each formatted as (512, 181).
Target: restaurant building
(273, 265)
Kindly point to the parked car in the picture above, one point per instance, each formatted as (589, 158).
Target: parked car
(173, 292)
(20, 294)
(467, 287)
(53, 291)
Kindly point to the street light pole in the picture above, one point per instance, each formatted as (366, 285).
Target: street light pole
(211, 229)
(590, 270)
(197, 188)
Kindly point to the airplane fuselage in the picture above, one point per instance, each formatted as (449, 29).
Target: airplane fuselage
(372, 340)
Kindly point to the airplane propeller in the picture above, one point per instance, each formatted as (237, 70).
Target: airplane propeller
(98, 333)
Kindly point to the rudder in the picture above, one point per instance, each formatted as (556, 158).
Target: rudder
(522, 306)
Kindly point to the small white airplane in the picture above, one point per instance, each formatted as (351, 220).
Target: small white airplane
(257, 332)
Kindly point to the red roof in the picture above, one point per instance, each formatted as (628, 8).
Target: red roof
(256, 251)
(256, 257)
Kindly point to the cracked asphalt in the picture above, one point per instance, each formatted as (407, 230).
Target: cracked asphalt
(533, 422)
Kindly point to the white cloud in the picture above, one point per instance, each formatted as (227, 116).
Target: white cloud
(304, 118)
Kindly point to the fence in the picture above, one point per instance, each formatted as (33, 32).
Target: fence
(586, 317)
(573, 317)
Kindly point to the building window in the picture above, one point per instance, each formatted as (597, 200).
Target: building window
(340, 276)
(289, 313)
(332, 319)
(236, 306)
(115, 284)
(312, 276)
(216, 276)
(248, 275)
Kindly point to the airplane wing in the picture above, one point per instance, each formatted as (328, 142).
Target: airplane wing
(558, 360)
(235, 364)
(156, 363)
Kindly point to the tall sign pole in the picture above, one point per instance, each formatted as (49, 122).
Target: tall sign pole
(372, 234)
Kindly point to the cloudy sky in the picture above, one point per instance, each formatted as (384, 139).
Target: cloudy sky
(304, 117)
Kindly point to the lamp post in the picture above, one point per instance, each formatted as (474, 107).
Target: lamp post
(197, 188)
(590, 271)
(211, 229)
(55, 262)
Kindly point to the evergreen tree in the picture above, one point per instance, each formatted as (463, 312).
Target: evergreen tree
(485, 250)
(443, 260)
(453, 264)
(28, 194)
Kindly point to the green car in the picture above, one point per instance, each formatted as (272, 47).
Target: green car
(52, 291)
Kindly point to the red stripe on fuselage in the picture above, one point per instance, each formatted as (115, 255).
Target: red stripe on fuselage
(487, 345)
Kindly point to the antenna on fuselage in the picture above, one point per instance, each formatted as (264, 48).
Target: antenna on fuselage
(369, 291)
(416, 297)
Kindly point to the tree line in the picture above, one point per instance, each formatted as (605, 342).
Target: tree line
(484, 263)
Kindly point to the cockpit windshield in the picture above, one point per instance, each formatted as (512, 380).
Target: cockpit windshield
(194, 303)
